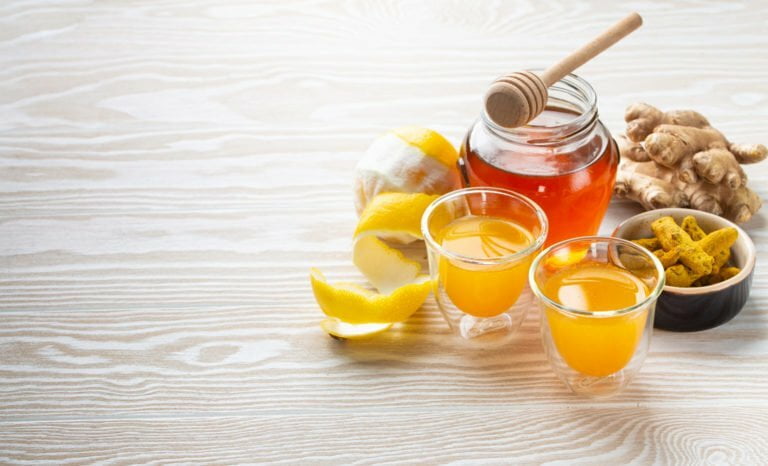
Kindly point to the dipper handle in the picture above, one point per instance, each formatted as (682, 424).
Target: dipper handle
(591, 49)
(515, 99)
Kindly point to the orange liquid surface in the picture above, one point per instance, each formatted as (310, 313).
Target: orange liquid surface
(572, 188)
(592, 345)
(484, 290)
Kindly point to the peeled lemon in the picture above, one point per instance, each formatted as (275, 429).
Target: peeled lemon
(406, 160)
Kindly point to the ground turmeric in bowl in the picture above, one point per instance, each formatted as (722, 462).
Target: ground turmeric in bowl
(690, 256)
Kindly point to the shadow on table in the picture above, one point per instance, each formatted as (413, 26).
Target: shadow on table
(423, 352)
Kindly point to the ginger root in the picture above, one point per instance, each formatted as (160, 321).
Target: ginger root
(676, 159)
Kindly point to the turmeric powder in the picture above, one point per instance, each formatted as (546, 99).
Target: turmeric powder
(648, 243)
(680, 275)
(710, 279)
(667, 258)
(690, 226)
(721, 259)
(689, 255)
(729, 272)
(718, 241)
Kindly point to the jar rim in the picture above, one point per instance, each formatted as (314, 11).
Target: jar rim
(579, 92)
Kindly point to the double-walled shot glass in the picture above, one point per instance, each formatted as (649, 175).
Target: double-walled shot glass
(596, 352)
(480, 280)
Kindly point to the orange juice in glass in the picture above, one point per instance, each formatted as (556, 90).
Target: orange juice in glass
(597, 298)
(481, 242)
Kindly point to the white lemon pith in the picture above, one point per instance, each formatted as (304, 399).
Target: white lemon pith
(385, 267)
(406, 160)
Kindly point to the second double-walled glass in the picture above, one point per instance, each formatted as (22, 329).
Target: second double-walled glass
(597, 298)
(481, 242)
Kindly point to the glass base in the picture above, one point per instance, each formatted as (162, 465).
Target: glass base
(473, 327)
(486, 331)
(597, 387)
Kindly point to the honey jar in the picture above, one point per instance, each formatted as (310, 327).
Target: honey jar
(565, 160)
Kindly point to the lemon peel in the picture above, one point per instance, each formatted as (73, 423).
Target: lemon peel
(402, 289)
(430, 142)
(394, 216)
(354, 304)
(343, 330)
(396, 180)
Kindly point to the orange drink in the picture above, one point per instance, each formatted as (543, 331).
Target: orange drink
(481, 242)
(611, 342)
(597, 298)
(484, 291)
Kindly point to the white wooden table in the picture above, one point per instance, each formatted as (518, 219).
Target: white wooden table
(169, 171)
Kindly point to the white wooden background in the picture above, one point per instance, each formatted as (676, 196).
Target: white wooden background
(169, 171)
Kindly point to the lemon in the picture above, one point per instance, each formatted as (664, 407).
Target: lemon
(353, 304)
(395, 181)
(406, 160)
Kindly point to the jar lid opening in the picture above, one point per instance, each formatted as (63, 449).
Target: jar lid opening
(570, 111)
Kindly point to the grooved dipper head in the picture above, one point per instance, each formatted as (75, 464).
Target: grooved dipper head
(515, 99)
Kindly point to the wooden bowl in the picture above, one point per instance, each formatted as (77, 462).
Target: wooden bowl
(698, 308)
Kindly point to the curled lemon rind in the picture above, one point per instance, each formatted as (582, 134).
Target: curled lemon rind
(353, 304)
(339, 329)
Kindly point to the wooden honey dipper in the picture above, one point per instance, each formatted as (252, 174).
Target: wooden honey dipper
(515, 99)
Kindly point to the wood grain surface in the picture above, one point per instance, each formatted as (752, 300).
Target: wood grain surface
(169, 171)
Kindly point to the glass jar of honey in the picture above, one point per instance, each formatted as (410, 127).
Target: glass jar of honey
(565, 159)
